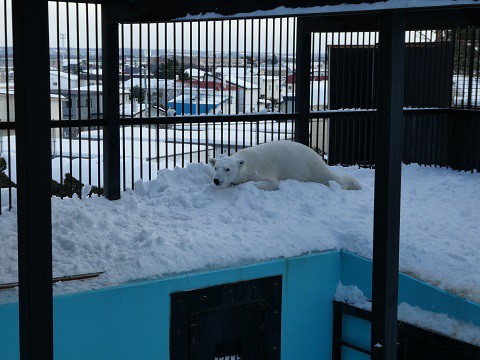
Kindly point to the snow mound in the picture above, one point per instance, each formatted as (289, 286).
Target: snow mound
(181, 222)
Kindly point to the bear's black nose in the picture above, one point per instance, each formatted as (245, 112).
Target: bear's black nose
(216, 181)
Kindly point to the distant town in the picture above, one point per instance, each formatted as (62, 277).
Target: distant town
(166, 82)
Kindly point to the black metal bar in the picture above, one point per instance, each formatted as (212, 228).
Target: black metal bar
(337, 332)
(77, 25)
(124, 147)
(355, 347)
(70, 100)
(97, 78)
(302, 82)
(89, 98)
(471, 65)
(111, 130)
(389, 128)
(34, 166)
(211, 118)
(140, 100)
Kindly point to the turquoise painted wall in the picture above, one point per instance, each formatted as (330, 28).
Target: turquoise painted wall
(355, 270)
(132, 321)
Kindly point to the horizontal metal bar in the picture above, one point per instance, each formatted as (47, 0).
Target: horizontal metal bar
(7, 125)
(342, 113)
(13, 285)
(355, 347)
(76, 123)
(169, 120)
(454, 345)
(351, 310)
(370, 112)
(359, 21)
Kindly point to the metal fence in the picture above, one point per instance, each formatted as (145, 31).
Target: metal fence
(189, 89)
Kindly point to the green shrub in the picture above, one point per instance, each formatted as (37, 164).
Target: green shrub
(72, 186)
(5, 181)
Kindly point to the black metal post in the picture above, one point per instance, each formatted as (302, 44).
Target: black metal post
(471, 66)
(34, 177)
(302, 82)
(111, 105)
(388, 167)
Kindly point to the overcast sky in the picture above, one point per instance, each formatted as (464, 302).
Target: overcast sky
(86, 14)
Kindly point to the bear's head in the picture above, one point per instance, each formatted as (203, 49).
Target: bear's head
(226, 170)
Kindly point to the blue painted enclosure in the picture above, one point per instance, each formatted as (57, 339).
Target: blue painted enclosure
(132, 321)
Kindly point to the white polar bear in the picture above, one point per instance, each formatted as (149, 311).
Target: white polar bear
(275, 161)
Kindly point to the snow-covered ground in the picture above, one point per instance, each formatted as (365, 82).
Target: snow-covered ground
(438, 322)
(181, 222)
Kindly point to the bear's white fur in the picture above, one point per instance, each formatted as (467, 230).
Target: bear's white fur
(275, 161)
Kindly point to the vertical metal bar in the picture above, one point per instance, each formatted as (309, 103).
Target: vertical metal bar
(182, 77)
(124, 176)
(337, 333)
(257, 124)
(464, 67)
(280, 73)
(214, 77)
(372, 118)
(457, 55)
(266, 80)
(148, 105)
(294, 61)
(206, 87)
(287, 98)
(229, 83)
(302, 81)
(198, 89)
(69, 99)
(311, 81)
(166, 92)
(111, 130)
(34, 177)
(132, 134)
(191, 90)
(477, 37)
(97, 78)
(471, 65)
(252, 23)
(157, 84)
(89, 98)
(389, 128)
(77, 25)
(237, 87)
(174, 90)
(223, 82)
(244, 107)
(59, 92)
(141, 97)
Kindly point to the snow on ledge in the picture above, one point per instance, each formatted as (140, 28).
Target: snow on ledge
(380, 5)
(437, 322)
(180, 222)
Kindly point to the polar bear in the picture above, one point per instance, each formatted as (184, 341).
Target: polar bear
(275, 161)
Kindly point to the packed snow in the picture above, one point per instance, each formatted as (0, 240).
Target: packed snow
(366, 6)
(181, 222)
(438, 322)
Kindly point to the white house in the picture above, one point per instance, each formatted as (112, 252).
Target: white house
(64, 78)
(271, 87)
(7, 104)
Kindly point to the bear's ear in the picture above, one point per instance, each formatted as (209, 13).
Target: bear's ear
(212, 161)
(240, 162)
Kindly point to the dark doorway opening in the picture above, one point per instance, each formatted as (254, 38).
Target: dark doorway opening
(232, 321)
